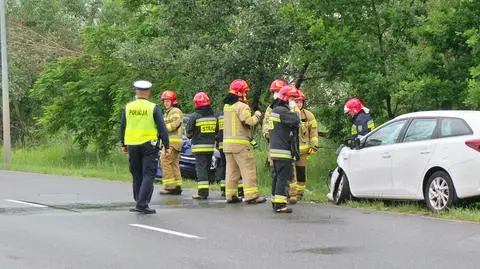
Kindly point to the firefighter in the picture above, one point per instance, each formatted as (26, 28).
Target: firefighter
(308, 138)
(202, 128)
(172, 179)
(222, 164)
(283, 125)
(275, 87)
(238, 145)
(141, 130)
(362, 121)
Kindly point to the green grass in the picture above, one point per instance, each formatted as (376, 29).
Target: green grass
(67, 160)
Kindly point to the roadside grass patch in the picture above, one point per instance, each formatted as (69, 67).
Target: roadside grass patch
(67, 160)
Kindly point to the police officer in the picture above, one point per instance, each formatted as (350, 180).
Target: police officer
(283, 124)
(172, 178)
(308, 136)
(202, 128)
(141, 129)
(362, 121)
(238, 144)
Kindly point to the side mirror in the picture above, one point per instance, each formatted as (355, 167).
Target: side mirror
(356, 143)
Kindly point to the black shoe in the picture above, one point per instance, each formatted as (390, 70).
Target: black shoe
(134, 209)
(258, 200)
(148, 210)
(235, 200)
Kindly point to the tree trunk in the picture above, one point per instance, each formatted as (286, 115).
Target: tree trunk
(301, 75)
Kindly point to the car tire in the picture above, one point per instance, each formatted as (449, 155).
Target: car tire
(341, 192)
(439, 193)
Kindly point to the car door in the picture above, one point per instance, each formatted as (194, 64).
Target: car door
(412, 156)
(370, 167)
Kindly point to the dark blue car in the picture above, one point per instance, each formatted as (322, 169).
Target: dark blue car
(187, 160)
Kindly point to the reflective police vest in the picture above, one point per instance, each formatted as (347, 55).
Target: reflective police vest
(140, 125)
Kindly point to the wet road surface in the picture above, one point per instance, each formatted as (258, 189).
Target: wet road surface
(61, 222)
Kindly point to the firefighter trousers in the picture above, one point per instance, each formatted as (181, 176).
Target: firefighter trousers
(203, 161)
(171, 169)
(301, 174)
(143, 161)
(292, 183)
(282, 174)
(241, 165)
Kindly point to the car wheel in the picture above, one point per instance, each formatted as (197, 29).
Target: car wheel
(439, 192)
(342, 190)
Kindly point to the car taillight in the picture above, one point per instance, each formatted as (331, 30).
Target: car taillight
(474, 144)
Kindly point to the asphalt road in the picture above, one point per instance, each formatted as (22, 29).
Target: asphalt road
(60, 222)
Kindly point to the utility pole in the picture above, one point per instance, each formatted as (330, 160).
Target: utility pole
(7, 144)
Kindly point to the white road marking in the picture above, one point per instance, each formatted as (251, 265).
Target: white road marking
(166, 231)
(25, 203)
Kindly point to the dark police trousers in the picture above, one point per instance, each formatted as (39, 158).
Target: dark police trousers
(203, 161)
(282, 173)
(143, 166)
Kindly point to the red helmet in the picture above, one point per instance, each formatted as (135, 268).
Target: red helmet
(170, 95)
(301, 96)
(201, 99)
(354, 105)
(239, 87)
(287, 92)
(277, 85)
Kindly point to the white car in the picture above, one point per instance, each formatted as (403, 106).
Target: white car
(431, 156)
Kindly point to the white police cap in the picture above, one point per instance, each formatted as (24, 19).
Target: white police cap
(142, 85)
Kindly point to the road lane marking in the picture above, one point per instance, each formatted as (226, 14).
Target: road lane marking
(25, 203)
(166, 231)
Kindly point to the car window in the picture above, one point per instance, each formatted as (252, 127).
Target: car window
(454, 127)
(420, 129)
(385, 135)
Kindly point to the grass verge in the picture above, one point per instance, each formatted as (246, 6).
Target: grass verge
(67, 160)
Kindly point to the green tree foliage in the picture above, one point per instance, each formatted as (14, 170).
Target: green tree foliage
(397, 56)
(39, 31)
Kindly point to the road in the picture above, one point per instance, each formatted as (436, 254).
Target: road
(60, 222)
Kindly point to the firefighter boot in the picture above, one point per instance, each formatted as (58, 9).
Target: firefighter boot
(258, 200)
(176, 191)
(235, 200)
(202, 194)
(281, 208)
(292, 193)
